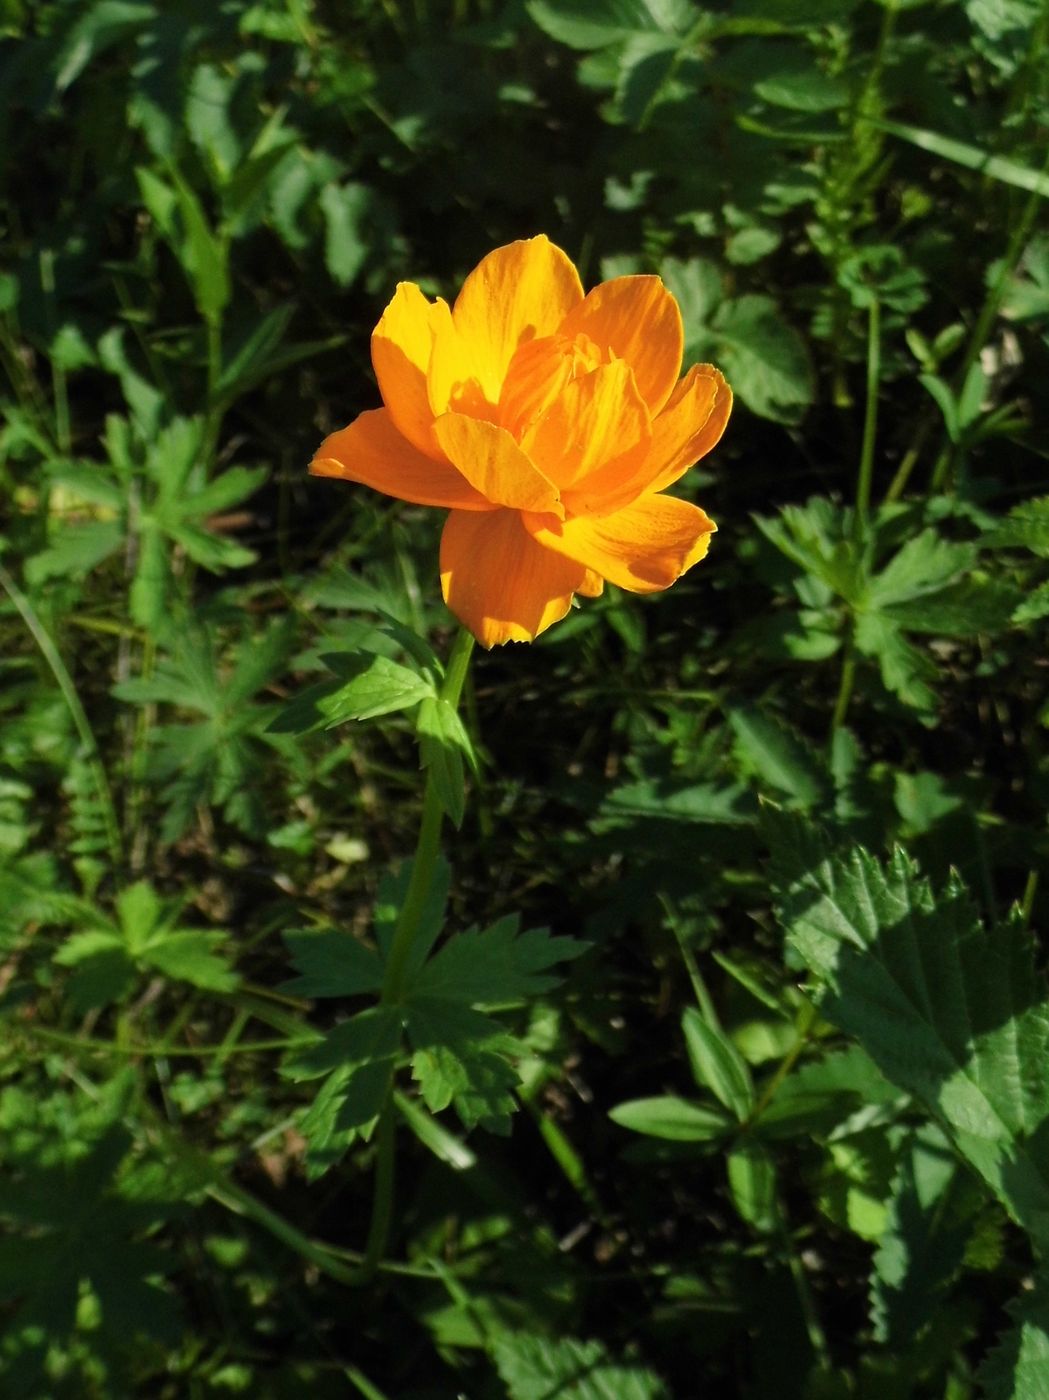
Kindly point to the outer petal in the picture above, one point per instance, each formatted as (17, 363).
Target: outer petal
(492, 462)
(690, 425)
(644, 547)
(373, 452)
(639, 321)
(596, 434)
(499, 582)
(402, 343)
(517, 293)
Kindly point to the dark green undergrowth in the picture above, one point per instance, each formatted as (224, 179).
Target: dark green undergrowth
(723, 1066)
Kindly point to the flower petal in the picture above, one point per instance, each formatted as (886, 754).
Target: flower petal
(643, 547)
(639, 321)
(373, 452)
(492, 462)
(690, 425)
(517, 293)
(499, 582)
(595, 436)
(402, 343)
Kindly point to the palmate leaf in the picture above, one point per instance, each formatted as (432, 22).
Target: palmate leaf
(497, 966)
(950, 1012)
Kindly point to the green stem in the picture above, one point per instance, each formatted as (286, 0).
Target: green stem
(848, 680)
(79, 717)
(398, 962)
(870, 420)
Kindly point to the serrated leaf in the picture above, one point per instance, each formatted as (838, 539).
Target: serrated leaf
(1035, 606)
(764, 358)
(76, 550)
(331, 963)
(961, 610)
(949, 1012)
(1018, 1367)
(533, 1367)
(777, 757)
(1025, 527)
(374, 1034)
(717, 1064)
(925, 564)
(461, 1056)
(495, 966)
(928, 1225)
(905, 670)
(372, 685)
(189, 955)
(673, 1118)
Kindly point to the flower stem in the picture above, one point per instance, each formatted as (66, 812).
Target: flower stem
(870, 419)
(398, 962)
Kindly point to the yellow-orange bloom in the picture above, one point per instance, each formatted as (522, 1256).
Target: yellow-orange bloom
(549, 424)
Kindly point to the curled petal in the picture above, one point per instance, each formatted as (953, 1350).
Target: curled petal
(644, 547)
(690, 425)
(402, 344)
(373, 452)
(595, 436)
(492, 462)
(517, 293)
(499, 582)
(639, 321)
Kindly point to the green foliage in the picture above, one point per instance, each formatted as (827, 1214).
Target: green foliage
(801, 1156)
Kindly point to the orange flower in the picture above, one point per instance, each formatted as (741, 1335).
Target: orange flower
(548, 423)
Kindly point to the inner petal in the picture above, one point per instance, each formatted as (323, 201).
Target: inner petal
(538, 372)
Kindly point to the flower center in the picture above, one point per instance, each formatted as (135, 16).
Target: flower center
(538, 373)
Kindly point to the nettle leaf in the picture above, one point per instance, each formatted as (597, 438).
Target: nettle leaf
(950, 1012)
(930, 1215)
(1018, 1368)
(497, 966)
(331, 963)
(534, 1367)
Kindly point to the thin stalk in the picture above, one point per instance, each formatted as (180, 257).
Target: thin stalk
(77, 713)
(848, 680)
(398, 961)
(870, 420)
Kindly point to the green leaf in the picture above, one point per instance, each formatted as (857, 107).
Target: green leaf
(443, 744)
(764, 359)
(1035, 606)
(976, 604)
(924, 565)
(534, 1367)
(594, 24)
(776, 757)
(374, 1034)
(371, 685)
(905, 670)
(189, 955)
(229, 489)
(1009, 172)
(717, 1064)
(752, 1184)
(76, 550)
(346, 244)
(204, 255)
(462, 1057)
(1025, 527)
(921, 1251)
(673, 1118)
(1018, 1368)
(331, 963)
(949, 1012)
(498, 966)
